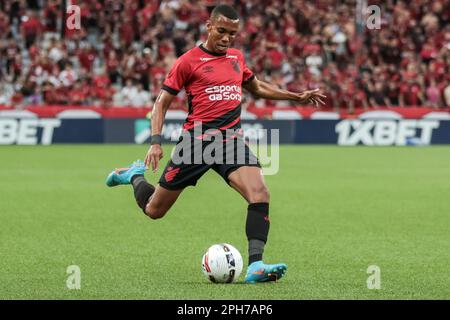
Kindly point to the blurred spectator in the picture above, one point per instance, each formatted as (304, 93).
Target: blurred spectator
(141, 98)
(68, 76)
(433, 94)
(411, 94)
(378, 95)
(314, 62)
(6, 93)
(31, 27)
(127, 93)
(392, 94)
(447, 94)
(78, 93)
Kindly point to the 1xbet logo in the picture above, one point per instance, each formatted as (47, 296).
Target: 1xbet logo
(385, 132)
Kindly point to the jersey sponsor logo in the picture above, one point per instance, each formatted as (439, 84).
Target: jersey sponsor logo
(385, 132)
(205, 59)
(219, 93)
(232, 57)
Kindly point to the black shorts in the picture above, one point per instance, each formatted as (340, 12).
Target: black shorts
(193, 157)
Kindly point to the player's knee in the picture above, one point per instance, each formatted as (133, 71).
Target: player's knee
(154, 215)
(259, 194)
(154, 212)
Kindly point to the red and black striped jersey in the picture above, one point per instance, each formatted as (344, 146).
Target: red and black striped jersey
(213, 84)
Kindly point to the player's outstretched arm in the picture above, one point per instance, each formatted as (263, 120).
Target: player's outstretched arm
(155, 153)
(265, 90)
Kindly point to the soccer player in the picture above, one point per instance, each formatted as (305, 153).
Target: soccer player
(213, 75)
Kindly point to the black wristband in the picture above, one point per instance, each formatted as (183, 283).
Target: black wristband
(156, 139)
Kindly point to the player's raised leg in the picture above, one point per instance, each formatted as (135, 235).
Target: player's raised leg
(249, 182)
(154, 201)
(161, 201)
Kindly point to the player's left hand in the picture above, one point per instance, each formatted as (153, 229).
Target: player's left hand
(154, 154)
(311, 97)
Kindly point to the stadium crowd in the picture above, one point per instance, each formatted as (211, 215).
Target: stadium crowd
(124, 49)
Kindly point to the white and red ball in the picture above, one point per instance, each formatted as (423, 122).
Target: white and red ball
(222, 263)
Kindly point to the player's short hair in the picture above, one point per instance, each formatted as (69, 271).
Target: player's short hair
(226, 11)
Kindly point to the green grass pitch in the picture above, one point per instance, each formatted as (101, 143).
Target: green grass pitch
(335, 211)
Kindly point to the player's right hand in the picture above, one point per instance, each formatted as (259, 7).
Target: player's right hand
(154, 154)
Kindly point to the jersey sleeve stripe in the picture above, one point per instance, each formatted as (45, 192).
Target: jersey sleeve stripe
(170, 90)
(249, 79)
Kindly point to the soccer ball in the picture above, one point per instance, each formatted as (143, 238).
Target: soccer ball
(222, 263)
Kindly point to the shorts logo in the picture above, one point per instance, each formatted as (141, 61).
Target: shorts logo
(171, 173)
